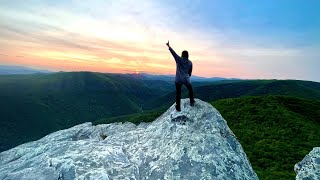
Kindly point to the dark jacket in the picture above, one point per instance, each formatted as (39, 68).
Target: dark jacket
(184, 68)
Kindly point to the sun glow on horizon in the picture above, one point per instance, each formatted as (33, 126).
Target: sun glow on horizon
(124, 36)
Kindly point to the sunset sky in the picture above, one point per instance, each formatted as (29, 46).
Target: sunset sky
(277, 39)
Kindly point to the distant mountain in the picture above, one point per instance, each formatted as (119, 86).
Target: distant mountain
(19, 70)
(225, 89)
(212, 79)
(146, 76)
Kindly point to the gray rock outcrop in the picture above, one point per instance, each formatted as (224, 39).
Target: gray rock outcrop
(309, 167)
(195, 143)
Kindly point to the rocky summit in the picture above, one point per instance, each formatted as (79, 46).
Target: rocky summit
(195, 143)
(309, 167)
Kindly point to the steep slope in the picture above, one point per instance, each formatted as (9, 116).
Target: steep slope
(193, 144)
(32, 106)
(295, 88)
(275, 131)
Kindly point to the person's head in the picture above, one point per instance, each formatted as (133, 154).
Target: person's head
(185, 54)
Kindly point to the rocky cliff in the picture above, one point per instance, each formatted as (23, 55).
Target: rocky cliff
(309, 167)
(195, 143)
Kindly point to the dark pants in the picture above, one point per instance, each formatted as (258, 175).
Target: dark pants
(178, 93)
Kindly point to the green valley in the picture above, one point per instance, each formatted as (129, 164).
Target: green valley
(34, 105)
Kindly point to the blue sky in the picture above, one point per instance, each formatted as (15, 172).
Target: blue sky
(246, 39)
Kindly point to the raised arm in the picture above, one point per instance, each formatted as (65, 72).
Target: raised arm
(174, 54)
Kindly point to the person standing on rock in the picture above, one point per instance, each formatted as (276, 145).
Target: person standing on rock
(183, 74)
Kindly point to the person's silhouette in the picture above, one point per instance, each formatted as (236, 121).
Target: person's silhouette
(183, 74)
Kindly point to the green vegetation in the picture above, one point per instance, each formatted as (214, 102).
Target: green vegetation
(35, 105)
(275, 131)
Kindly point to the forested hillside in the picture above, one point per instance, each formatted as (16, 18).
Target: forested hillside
(35, 105)
(275, 131)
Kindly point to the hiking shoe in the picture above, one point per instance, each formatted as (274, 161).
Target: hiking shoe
(178, 108)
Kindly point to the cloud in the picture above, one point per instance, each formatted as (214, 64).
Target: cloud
(223, 39)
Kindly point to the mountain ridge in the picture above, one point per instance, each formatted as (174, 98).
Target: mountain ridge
(9, 70)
